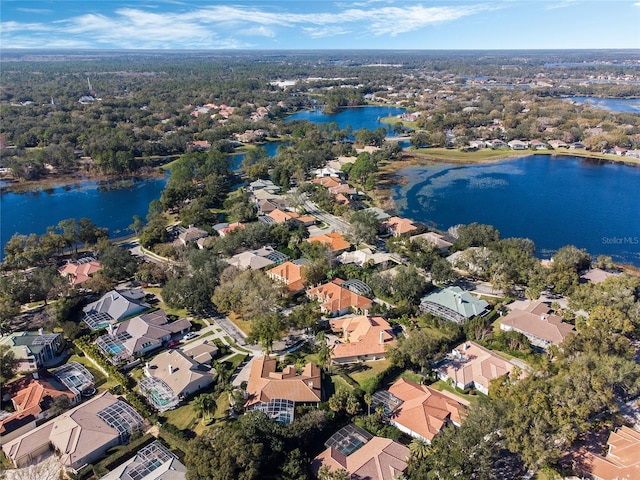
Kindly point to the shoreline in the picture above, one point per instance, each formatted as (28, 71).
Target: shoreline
(389, 175)
(70, 179)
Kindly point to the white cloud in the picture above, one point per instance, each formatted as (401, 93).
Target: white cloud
(217, 26)
(34, 10)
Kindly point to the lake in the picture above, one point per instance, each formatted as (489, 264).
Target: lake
(106, 206)
(355, 117)
(629, 105)
(554, 201)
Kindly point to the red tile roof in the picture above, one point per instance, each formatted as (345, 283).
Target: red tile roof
(265, 383)
(291, 274)
(335, 298)
(364, 336)
(334, 240)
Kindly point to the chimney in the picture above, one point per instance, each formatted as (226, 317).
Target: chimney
(345, 335)
(40, 331)
(466, 345)
(36, 376)
(381, 337)
(110, 328)
(170, 368)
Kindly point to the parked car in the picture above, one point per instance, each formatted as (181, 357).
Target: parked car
(189, 336)
(173, 343)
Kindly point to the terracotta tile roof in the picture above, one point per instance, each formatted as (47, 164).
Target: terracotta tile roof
(536, 321)
(291, 274)
(335, 298)
(31, 397)
(78, 273)
(622, 461)
(334, 240)
(362, 336)
(378, 459)
(327, 182)
(474, 364)
(424, 410)
(281, 216)
(265, 383)
(400, 226)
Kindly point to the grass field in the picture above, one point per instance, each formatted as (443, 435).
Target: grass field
(102, 383)
(241, 323)
(441, 386)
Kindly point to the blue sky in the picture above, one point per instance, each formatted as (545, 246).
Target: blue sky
(313, 24)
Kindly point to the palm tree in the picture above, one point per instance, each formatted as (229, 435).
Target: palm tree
(324, 352)
(203, 404)
(419, 448)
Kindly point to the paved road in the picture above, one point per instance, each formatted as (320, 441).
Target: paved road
(335, 223)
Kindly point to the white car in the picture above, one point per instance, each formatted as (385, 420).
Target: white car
(189, 336)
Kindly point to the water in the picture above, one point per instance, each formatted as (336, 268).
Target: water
(618, 105)
(270, 147)
(111, 208)
(356, 117)
(554, 201)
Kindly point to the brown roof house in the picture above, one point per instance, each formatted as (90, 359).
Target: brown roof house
(399, 226)
(424, 411)
(172, 376)
(289, 273)
(80, 271)
(32, 397)
(334, 240)
(267, 387)
(79, 436)
(621, 462)
(538, 325)
(470, 365)
(362, 455)
(435, 239)
(363, 338)
(336, 300)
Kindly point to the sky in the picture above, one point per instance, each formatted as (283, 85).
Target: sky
(320, 24)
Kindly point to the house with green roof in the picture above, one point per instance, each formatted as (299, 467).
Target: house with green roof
(453, 304)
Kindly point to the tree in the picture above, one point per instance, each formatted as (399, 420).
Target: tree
(415, 349)
(137, 225)
(476, 235)
(8, 310)
(364, 225)
(8, 364)
(572, 257)
(203, 404)
(266, 329)
(60, 404)
(419, 449)
(324, 351)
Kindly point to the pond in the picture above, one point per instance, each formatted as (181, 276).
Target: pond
(554, 201)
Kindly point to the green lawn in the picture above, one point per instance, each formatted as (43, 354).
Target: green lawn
(182, 417)
(441, 385)
(102, 383)
(235, 360)
(365, 374)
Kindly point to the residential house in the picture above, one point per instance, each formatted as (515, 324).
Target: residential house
(633, 154)
(577, 146)
(424, 411)
(366, 255)
(79, 436)
(334, 240)
(114, 306)
(537, 323)
(453, 304)
(518, 145)
(260, 184)
(596, 275)
(80, 271)
(32, 397)
(621, 462)
(328, 182)
(538, 145)
(435, 239)
(34, 350)
(399, 226)
(172, 376)
(191, 234)
(203, 353)
(477, 144)
(199, 145)
(277, 393)
(497, 143)
(364, 338)
(151, 462)
(558, 144)
(362, 455)
(141, 335)
(328, 172)
(224, 229)
(470, 365)
(291, 274)
(336, 300)
(257, 259)
(380, 214)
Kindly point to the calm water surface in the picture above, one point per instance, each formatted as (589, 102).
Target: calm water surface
(356, 118)
(631, 105)
(108, 207)
(554, 201)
